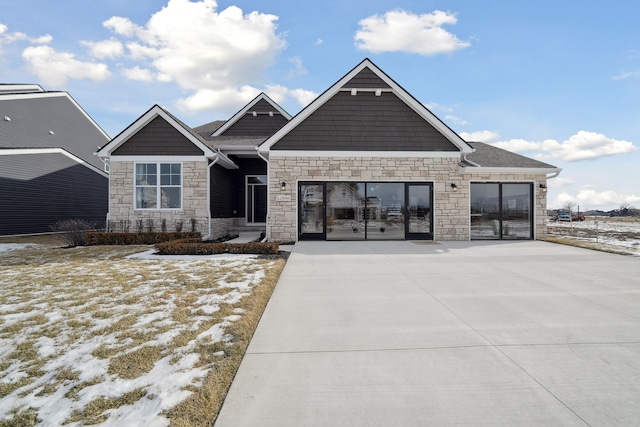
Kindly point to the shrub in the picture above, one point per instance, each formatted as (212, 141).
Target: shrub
(194, 247)
(72, 231)
(99, 238)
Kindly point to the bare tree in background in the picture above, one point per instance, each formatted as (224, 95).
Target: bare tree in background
(569, 207)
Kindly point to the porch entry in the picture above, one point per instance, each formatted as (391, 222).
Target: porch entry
(365, 211)
(257, 199)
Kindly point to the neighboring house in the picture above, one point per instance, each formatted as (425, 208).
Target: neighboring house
(365, 160)
(48, 170)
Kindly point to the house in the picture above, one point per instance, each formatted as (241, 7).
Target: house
(48, 170)
(365, 160)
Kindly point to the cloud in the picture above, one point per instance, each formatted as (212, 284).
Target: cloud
(298, 69)
(47, 38)
(54, 68)
(592, 199)
(626, 75)
(203, 50)
(456, 120)
(400, 31)
(121, 26)
(222, 99)
(105, 49)
(279, 93)
(486, 136)
(318, 42)
(139, 74)
(583, 145)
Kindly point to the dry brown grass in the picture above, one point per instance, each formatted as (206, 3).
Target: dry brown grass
(127, 316)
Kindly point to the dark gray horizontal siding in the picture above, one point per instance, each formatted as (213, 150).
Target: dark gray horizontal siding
(365, 122)
(158, 138)
(366, 79)
(31, 206)
(224, 193)
(262, 124)
(228, 187)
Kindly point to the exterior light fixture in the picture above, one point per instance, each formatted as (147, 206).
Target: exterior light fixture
(7, 118)
(283, 186)
(543, 187)
(454, 187)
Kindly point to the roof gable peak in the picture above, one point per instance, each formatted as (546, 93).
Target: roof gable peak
(247, 109)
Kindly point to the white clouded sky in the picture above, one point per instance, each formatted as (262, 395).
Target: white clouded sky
(554, 81)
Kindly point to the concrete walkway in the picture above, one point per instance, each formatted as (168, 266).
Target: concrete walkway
(480, 333)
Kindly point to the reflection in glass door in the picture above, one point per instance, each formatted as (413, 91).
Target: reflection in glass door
(346, 211)
(418, 211)
(312, 211)
(516, 211)
(485, 211)
(385, 220)
(501, 211)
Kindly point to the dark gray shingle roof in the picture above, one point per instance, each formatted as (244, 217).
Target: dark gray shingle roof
(493, 157)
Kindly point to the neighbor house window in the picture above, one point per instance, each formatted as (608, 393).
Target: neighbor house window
(158, 186)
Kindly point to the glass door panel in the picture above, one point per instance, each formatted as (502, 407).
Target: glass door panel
(418, 212)
(345, 210)
(311, 211)
(485, 211)
(516, 211)
(385, 220)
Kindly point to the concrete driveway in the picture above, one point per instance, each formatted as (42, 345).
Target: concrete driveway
(477, 333)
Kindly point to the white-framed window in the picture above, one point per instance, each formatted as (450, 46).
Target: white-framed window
(158, 186)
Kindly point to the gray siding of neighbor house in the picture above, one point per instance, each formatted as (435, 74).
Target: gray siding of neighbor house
(33, 120)
(364, 122)
(260, 125)
(37, 190)
(158, 138)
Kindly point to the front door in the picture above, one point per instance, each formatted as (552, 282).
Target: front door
(418, 212)
(257, 199)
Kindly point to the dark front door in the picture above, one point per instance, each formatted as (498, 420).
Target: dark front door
(418, 212)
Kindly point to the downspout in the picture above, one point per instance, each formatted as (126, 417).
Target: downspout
(267, 230)
(209, 193)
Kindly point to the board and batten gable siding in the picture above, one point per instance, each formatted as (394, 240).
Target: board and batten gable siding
(366, 79)
(158, 138)
(365, 122)
(37, 190)
(262, 124)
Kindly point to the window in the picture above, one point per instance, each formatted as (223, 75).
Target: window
(158, 186)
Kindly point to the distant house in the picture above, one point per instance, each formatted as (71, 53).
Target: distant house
(364, 161)
(48, 170)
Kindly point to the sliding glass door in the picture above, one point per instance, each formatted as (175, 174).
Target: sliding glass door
(501, 211)
(365, 210)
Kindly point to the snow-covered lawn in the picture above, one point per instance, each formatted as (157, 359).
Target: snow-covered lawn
(89, 335)
(621, 234)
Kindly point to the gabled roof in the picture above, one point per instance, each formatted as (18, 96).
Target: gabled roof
(33, 118)
(487, 156)
(261, 105)
(366, 79)
(157, 112)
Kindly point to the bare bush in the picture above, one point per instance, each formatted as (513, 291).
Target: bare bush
(71, 231)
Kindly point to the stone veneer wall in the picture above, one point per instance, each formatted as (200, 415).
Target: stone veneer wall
(451, 214)
(539, 196)
(194, 200)
(451, 208)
